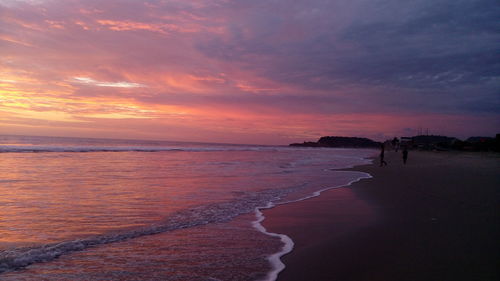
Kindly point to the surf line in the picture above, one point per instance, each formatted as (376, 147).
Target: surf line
(275, 259)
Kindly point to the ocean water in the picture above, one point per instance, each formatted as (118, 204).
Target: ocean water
(93, 209)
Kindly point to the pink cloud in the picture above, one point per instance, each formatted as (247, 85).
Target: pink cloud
(223, 71)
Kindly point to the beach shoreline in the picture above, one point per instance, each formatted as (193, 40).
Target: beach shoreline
(435, 218)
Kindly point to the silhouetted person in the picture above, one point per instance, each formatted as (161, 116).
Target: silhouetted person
(382, 152)
(398, 144)
(395, 143)
(405, 154)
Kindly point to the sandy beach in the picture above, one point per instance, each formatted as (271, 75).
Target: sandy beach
(435, 218)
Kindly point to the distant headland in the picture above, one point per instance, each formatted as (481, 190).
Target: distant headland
(422, 142)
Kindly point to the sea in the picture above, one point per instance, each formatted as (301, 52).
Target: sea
(104, 209)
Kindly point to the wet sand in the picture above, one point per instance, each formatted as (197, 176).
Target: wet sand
(435, 218)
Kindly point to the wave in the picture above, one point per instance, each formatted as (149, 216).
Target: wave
(35, 149)
(18, 258)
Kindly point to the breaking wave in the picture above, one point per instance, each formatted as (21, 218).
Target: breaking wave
(219, 212)
(35, 148)
(17, 258)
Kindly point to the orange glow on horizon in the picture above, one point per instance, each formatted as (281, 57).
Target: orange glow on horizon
(213, 71)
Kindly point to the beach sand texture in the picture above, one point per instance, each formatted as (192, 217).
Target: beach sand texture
(435, 218)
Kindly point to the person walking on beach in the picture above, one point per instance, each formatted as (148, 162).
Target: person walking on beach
(395, 143)
(382, 152)
(405, 154)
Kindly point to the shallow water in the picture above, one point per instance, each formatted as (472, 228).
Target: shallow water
(83, 209)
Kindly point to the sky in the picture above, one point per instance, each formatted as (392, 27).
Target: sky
(249, 71)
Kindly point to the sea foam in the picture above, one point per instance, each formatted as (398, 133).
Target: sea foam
(212, 213)
(288, 244)
(205, 214)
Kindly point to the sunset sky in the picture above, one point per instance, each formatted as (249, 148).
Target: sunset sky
(252, 71)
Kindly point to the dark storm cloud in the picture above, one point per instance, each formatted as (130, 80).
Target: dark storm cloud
(447, 43)
(436, 55)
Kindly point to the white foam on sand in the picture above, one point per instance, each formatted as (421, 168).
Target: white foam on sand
(275, 259)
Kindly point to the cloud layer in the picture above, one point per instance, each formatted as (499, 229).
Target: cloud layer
(249, 71)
